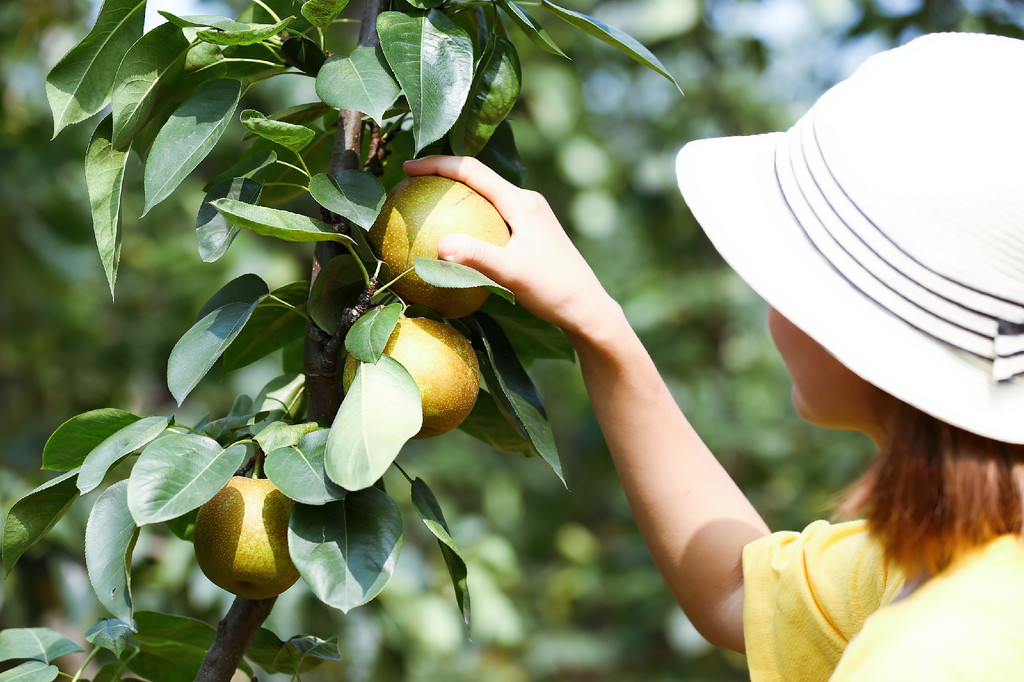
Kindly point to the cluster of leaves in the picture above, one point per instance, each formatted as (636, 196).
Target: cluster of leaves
(160, 644)
(445, 78)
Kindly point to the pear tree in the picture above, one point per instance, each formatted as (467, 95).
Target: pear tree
(393, 80)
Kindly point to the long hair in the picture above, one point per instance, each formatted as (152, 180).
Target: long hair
(936, 492)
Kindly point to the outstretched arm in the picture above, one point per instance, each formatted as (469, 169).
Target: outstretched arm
(693, 517)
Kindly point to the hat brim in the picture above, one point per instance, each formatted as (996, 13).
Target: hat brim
(729, 185)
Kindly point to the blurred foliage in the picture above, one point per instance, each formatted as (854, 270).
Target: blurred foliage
(562, 586)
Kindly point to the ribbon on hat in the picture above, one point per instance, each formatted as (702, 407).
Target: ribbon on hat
(966, 317)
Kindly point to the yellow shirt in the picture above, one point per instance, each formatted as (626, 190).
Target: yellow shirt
(813, 611)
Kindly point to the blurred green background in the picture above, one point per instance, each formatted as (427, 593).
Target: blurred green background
(561, 583)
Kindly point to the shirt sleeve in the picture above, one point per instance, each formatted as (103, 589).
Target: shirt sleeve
(807, 594)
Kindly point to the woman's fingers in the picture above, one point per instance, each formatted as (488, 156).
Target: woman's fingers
(472, 172)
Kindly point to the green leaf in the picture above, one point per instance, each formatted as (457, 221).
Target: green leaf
(35, 514)
(171, 648)
(494, 91)
(488, 423)
(300, 654)
(280, 434)
(271, 326)
(110, 536)
(73, 440)
(177, 474)
(80, 84)
(117, 445)
(41, 644)
(501, 155)
(353, 194)
(247, 288)
(335, 288)
(426, 4)
(283, 393)
(246, 34)
(430, 511)
(288, 135)
(370, 334)
(303, 54)
(31, 671)
(361, 81)
(153, 62)
(104, 179)
(188, 136)
(432, 58)
(613, 36)
(380, 413)
(455, 276)
(531, 337)
(110, 634)
(214, 233)
(346, 551)
(203, 21)
(272, 222)
(298, 470)
(322, 13)
(530, 27)
(198, 349)
(512, 388)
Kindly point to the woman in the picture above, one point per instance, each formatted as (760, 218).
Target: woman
(886, 231)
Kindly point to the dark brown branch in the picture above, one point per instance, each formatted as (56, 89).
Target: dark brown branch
(321, 363)
(234, 633)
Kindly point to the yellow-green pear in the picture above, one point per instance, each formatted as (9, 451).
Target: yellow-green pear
(417, 213)
(443, 365)
(241, 539)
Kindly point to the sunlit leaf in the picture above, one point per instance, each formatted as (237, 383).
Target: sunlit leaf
(368, 337)
(299, 472)
(380, 413)
(346, 551)
(322, 13)
(361, 81)
(188, 136)
(73, 440)
(353, 194)
(110, 634)
(432, 58)
(41, 644)
(272, 222)
(177, 474)
(110, 536)
(288, 135)
(117, 445)
(31, 671)
(613, 36)
(528, 25)
(155, 60)
(80, 83)
(246, 34)
(200, 347)
(104, 179)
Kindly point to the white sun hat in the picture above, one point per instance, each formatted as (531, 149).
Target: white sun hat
(888, 224)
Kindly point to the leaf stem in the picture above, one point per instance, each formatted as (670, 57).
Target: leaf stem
(395, 279)
(285, 304)
(86, 662)
(359, 262)
(271, 12)
(303, 170)
(407, 476)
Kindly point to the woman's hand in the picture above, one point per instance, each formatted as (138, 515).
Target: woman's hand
(540, 265)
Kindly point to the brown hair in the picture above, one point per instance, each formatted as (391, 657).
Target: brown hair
(935, 492)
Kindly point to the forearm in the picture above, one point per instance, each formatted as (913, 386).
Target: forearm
(693, 517)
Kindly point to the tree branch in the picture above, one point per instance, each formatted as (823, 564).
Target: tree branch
(234, 633)
(321, 363)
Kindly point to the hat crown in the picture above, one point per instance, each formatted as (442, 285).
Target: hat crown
(928, 141)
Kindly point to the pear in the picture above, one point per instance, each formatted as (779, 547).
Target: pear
(417, 213)
(241, 539)
(443, 365)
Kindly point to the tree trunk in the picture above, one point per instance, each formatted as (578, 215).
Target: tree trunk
(321, 364)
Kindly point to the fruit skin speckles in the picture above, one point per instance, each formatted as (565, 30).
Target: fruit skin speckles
(443, 364)
(241, 539)
(417, 213)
